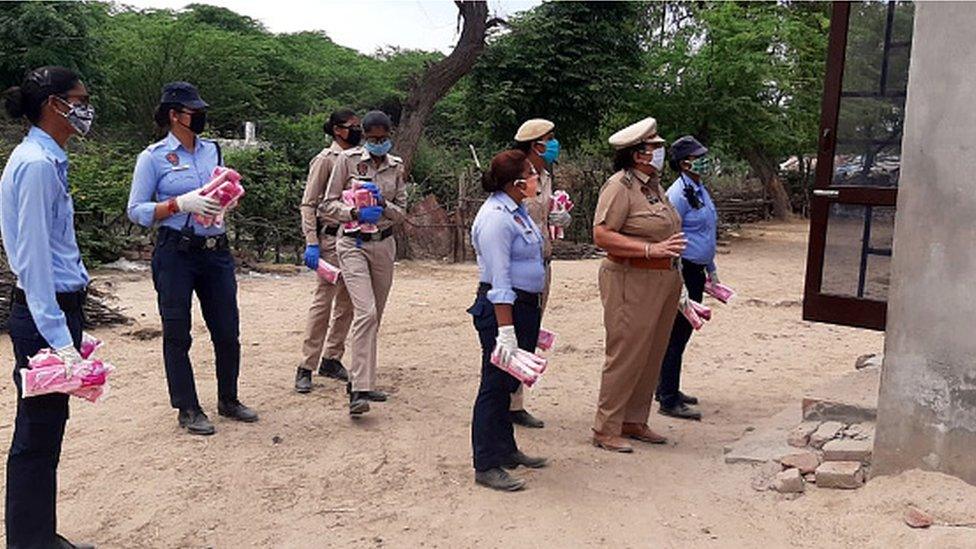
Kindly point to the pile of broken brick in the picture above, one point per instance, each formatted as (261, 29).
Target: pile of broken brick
(829, 454)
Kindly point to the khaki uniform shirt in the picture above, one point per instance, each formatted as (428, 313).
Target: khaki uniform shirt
(357, 164)
(633, 204)
(319, 170)
(538, 209)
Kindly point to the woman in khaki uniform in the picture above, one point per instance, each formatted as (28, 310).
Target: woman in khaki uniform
(639, 285)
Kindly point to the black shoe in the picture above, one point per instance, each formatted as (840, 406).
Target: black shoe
(330, 367)
(237, 411)
(680, 411)
(60, 542)
(375, 396)
(358, 403)
(687, 399)
(303, 380)
(196, 422)
(518, 458)
(499, 479)
(525, 419)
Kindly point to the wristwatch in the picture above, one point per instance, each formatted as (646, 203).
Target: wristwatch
(172, 206)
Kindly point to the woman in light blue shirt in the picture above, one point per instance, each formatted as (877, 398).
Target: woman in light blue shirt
(699, 222)
(189, 257)
(37, 221)
(506, 311)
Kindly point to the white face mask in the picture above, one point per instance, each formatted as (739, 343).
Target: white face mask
(657, 159)
(79, 116)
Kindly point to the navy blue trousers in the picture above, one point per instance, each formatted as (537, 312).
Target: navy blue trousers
(668, 385)
(492, 434)
(32, 464)
(176, 276)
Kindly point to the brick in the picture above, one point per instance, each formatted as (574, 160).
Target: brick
(860, 431)
(789, 481)
(840, 474)
(806, 462)
(799, 437)
(846, 449)
(828, 430)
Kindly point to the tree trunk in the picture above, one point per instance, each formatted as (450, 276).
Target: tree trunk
(768, 172)
(438, 79)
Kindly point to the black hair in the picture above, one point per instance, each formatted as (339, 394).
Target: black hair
(161, 116)
(27, 99)
(338, 117)
(623, 159)
(506, 166)
(524, 146)
(377, 118)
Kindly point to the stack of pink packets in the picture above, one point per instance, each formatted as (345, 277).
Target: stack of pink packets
(696, 313)
(719, 291)
(225, 187)
(559, 202)
(358, 197)
(47, 373)
(524, 366)
(329, 272)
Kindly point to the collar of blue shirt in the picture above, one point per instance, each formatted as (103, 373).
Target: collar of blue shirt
(505, 200)
(172, 143)
(50, 146)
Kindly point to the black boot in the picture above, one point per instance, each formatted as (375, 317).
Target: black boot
(687, 399)
(303, 380)
(60, 542)
(358, 401)
(330, 367)
(518, 458)
(235, 410)
(525, 419)
(195, 422)
(498, 479)
(680, 411)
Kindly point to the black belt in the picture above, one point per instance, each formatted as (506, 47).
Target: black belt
(367, 237)
(520, 295)
(68, 301)
(331, 230)
(197, 242)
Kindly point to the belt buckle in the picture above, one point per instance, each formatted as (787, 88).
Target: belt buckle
(210, 243)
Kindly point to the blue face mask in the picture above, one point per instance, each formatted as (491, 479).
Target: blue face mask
(379, 149)
(552, 151)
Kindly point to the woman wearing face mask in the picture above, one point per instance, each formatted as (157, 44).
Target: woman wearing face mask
(699, 221)
(320, 236)
(639, 285)
(506, 312)
(189, 257)
(366, 259)
(37, 222)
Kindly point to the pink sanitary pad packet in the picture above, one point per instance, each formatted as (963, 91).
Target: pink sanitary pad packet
(688, 310)
(225, 187)
(547, 340)
(89, 344)
(701, 310)
(328, 271)
(46, 374)
(524, 366)
(719, 291)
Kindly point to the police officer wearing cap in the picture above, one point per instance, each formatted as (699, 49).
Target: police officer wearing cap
(699, 222)
(366, 259)
(189, 257)
(537, 139)
(639, 285)
(330, 313)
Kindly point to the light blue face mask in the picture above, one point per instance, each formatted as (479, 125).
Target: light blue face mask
(379, 149)
(552, 151)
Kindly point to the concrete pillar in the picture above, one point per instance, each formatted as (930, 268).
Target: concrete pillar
(927, 403)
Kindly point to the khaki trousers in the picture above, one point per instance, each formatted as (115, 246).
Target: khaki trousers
(639, 307)
(518, 397)
(368, 272)
(327, 323)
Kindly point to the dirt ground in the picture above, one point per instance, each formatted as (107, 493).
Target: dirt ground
(307, 475)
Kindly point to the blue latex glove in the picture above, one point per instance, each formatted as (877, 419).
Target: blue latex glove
(375, 191)
(312, 256)
(370, 214)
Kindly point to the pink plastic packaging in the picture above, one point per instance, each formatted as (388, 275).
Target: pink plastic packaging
(362, 198)
(89, 344)
(560, 202)
(225, 187)
(524, 366)
(329, 272)
(547, 340)
(719, 291)
(349, 198)
(701, 310)
(47, 374)
(688, 310)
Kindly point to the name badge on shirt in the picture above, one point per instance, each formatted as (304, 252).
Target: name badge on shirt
(181, 168)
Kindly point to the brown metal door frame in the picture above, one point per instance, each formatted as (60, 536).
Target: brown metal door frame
(817, 306)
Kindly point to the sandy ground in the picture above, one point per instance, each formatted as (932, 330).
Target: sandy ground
(307, 475)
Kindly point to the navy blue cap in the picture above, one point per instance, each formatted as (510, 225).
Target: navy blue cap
(686, 146)
(183, 93)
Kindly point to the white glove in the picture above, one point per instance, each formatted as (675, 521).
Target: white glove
(70, 356)
(195, 203)
(560, 219)
(713, 277)
(683, 300)
(506, 344)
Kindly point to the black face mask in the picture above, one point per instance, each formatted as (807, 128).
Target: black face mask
(198, 121)
(354, 136)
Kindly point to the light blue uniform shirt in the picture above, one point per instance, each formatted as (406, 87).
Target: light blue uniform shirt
(509, 248)
(700, 225)
(37, 217)
(166, 170)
